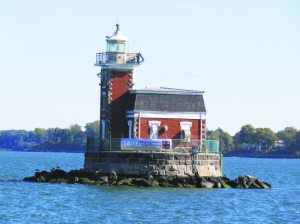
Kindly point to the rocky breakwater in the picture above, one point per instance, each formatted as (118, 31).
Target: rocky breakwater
(97, 178)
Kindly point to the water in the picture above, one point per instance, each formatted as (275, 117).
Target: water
(22, 202)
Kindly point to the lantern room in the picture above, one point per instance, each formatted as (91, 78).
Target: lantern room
(117, 53)
(117, 42)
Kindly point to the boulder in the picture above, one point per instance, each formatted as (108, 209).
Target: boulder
(124, 181)
(103, 178)
(250, 182)
(141, 182)
(262, 184)
(204, 183)
(41, 179)
(224, 185)
(85, 180)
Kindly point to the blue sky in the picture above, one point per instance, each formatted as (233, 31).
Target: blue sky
(245, 55)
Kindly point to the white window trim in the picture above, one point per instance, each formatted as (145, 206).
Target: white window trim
(154, 129)
(185, 127)
(185, 123)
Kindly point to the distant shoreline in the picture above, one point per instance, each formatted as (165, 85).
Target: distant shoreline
(281, 154)
(40, 150)
(48, 147)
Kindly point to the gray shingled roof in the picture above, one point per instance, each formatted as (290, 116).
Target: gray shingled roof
(164, 102)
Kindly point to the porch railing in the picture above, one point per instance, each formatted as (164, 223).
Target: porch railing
(174, 145)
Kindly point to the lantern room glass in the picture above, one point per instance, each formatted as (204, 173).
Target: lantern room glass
(117, 47)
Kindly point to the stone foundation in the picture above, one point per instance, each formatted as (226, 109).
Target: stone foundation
(155, 163)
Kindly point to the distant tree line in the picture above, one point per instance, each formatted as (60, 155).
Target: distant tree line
(247, 138)
(256, 138)
(74, 135)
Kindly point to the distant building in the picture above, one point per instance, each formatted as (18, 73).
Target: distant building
(279, 144)
(257, 147)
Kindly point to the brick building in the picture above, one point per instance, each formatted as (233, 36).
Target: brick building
(166, 113)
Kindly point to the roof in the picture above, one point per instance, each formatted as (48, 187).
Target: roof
(117, 36)
(166, 100)
(165, 90)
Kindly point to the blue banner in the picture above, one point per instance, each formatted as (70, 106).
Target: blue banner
(138, 144)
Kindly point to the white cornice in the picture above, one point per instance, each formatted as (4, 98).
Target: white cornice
(167, 91)
(153, 123)
(153, 114)
(185, 124)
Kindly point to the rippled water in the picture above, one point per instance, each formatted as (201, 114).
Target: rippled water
(22, 202)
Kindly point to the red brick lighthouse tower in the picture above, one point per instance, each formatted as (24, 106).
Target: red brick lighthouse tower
(117, 78)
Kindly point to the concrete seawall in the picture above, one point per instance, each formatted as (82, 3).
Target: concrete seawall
(155, 163)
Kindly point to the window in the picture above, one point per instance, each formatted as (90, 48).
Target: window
(154, 129)
(185, 131)
(115, 47)
(103, 129)
(129, 128)
(103, 101)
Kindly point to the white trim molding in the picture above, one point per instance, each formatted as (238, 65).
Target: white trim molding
(164, 90)
(119, 66)
(174, 115)
(185, 124)
(152, 123)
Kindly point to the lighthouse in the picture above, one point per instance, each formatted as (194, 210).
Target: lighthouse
(157, 131)
(116, 79)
